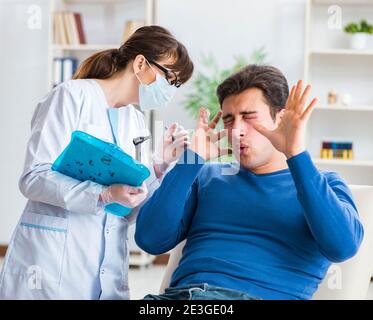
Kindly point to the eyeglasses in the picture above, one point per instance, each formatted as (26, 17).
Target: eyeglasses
(171, 76)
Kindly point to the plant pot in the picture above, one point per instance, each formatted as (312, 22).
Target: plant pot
(358, 41)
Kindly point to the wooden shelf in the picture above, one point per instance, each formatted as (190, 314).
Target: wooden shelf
(344, 108)
(84, 47)
(355, 163)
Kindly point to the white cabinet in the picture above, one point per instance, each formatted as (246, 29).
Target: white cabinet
(331, 66)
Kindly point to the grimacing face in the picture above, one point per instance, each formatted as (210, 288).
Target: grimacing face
(240, 112)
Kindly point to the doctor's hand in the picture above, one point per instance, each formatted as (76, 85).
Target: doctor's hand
(175, 141)
(205, 140)
(125, 195)
(289, 136)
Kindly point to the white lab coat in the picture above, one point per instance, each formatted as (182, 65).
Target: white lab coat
(65, 246)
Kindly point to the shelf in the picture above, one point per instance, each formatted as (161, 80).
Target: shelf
(85, 47)
(343, 2)
(346, 52)
(355, 163)
(92, 1)
(330, 62)
(344, 108)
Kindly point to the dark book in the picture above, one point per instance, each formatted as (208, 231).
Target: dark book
(79, 25)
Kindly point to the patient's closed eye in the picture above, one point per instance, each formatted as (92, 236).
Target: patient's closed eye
(228, 120)
(250, 117)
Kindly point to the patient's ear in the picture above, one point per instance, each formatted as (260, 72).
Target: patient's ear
(279, 116)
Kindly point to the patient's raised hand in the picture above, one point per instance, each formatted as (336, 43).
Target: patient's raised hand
(205, 140)
(289, 136)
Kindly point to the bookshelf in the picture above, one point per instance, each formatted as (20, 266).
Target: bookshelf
(330, 65)
(104, 24)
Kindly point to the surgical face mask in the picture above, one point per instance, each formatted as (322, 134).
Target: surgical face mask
(156, 94)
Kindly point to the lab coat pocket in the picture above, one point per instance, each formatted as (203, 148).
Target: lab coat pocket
(38, 247)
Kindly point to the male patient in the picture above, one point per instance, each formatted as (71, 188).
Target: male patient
(271, 230)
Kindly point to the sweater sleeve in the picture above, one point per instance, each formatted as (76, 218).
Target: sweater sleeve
(329, 209)
(164, 219)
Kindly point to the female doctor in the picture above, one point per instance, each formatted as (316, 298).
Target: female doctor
(65, 245)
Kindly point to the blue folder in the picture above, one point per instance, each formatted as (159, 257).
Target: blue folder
(89, 158)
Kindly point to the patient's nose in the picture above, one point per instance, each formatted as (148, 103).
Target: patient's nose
(238, 130)
(236, 135)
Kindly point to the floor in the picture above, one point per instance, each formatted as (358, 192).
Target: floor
(143, 281)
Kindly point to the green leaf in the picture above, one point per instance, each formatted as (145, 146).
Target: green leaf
(363, 27)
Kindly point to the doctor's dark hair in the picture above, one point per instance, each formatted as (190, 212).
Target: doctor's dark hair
(153, 42)
(268, 79)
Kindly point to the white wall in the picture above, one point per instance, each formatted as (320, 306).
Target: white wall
(224, 28)
(235, 27)
(23, 80)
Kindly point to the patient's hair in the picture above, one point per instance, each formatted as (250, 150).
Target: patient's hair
(268, 79)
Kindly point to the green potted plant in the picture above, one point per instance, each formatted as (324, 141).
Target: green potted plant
(359, 33)
(205, 83)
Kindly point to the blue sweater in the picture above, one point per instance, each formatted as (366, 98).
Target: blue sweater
(272, 235)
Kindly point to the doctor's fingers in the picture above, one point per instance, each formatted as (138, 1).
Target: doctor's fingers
(134, 200)
(179, 129)
(120, 190)
(138, 190)
(181, 133)
(171, 130)
(181, 141)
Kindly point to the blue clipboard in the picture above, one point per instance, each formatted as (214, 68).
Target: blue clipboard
(89, 158)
